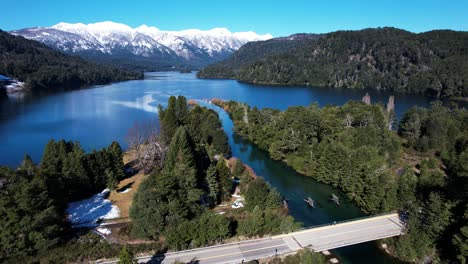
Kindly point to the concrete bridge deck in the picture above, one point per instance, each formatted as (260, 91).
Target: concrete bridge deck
(316, 238)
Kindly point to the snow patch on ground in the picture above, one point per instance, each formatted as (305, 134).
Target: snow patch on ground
(104, 231)
(126, 190)
(89, 211)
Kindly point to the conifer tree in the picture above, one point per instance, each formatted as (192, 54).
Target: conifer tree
(126, 257)
(112, 180)
(182, 110)
(214, 188)
(168, 120)
(116, 153)
(224, 177)
(27, 165)
(50, 163)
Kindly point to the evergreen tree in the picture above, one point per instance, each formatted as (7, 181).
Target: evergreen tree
(116, 154)
(29, 218)
(214, 188)
(181, 110)
(180, 160)
(126, 257)
(112, 181)
(256, 194)
(27, 165)
(254, 224)
(224, 177)
(460, 241)
(149, 209)
(238, 169)
(74, 173)
(407, 188)
(50, 163)
(168, 120)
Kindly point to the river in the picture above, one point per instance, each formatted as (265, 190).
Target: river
(99, 115)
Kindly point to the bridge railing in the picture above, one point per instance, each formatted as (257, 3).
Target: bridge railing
(340, 222)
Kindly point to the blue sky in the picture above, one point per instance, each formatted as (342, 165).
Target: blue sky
(276, 17)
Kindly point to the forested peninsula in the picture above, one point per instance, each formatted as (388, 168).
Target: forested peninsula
(188, 177)
(45, 70)
(420, 169)
(433, 63)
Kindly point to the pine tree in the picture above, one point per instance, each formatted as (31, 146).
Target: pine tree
(126, 257)
(30, 220)
(75, 175)
(182, 111)
(460, 241)
(168, 120)
(112, 181)
(238, 169)
(116, 153)
(50, 163)
(180, 149)
(214, 188)
(224, 176)
(27, 165)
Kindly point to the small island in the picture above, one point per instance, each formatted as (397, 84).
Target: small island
(185, 71)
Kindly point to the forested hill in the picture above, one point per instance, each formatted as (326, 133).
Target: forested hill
(434, 63)
(46, 70)
(252, 52)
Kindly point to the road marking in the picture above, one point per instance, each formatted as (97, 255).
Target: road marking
(241, 252)
(310, 231)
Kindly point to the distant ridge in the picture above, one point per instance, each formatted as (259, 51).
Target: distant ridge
(433, 63)
(143, 47)
(45, 70)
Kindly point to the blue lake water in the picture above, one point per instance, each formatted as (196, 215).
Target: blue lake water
(99, 115)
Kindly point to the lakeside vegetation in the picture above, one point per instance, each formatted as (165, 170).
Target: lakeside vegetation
(45, 70)
(433, 63)
(419, 169)
(171, 210)
(34, 197)
(175, 200)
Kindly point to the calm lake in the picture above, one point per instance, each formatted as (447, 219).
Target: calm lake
(100, 115)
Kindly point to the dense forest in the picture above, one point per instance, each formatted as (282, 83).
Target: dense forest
(420, 171)
(174, 200)
(433, 63)
(45, 70)
(34, 197)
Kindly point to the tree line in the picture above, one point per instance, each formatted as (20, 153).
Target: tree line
(419, 169)
(45, 70)
(433, 63)
(174, 201)
(34, 197)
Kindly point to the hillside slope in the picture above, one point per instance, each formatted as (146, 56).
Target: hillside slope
(46, 70)
(434, 63)
(145, 47)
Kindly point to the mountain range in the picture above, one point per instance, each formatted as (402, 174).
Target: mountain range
(143, 47)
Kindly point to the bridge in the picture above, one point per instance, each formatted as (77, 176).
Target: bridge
(316, 238)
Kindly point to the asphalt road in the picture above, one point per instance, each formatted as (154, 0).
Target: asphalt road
(319, 239)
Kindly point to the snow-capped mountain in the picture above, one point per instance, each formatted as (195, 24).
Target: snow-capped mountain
(145, 46)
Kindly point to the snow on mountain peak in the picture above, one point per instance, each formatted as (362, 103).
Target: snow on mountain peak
(110, 38)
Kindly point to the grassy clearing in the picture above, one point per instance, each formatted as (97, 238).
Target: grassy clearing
(122, 197)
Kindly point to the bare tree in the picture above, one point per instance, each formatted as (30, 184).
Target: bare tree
(366, 99)
(135, 139)
(349, 120)
(149, 149)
